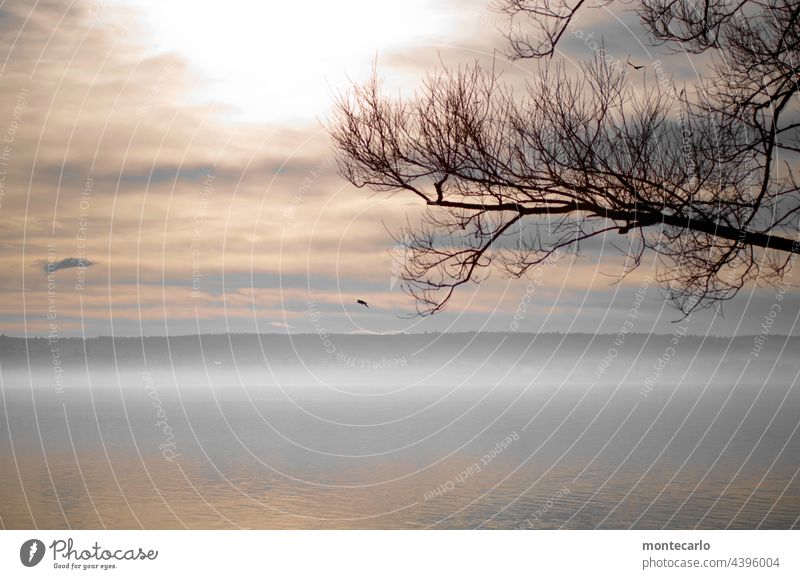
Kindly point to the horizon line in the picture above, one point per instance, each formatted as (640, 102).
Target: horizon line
(386, 334)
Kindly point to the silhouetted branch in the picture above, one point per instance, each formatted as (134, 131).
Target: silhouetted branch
(552, 168)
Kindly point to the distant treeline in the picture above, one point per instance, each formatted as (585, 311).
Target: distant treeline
(394, 351)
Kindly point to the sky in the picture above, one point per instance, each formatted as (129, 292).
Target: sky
(178, 150)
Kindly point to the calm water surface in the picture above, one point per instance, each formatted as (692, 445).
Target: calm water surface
(175, 449)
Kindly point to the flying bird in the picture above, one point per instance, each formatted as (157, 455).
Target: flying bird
(362, 303)
(640, 67)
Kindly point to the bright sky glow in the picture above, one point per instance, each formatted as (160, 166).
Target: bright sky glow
(281, 61)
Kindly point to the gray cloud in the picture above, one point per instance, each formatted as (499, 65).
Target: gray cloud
(66, 263)
(110, 156)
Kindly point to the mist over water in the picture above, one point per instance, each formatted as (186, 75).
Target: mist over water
(490, 431)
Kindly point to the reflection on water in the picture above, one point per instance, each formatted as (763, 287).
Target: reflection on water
(244, 450)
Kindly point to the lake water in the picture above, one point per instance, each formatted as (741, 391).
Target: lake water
(233, 449)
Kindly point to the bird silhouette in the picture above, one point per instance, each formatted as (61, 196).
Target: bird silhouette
(362, 303)
(639, 67)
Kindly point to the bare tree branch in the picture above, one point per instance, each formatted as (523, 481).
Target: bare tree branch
(508, 179)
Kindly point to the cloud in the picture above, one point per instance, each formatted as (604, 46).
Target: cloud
(111, 155)
(66, 263)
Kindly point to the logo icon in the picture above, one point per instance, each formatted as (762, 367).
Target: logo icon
(31, 552)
